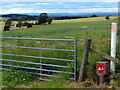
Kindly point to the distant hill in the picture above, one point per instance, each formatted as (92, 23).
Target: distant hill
(82, 14)
(14, 17)
(58, 16)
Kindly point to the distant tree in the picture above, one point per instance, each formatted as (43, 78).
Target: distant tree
(107, 17)
(36, 23)
(29, 20)
(17, 25)
(94, 15)
(32, 23)
(25, 23)
(49, 20)
(20, 20)
(8, 24)
(29, 25)
(42, 18)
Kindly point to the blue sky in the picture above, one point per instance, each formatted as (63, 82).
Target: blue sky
(76, 6)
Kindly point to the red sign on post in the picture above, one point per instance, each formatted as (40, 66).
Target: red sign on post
(101, 68)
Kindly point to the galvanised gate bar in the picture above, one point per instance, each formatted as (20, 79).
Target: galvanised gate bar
(8, 63)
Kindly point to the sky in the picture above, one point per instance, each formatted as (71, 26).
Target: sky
(59, 0)
(57, 6)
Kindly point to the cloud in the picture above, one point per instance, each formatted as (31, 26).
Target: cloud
(27, 10)
(42, 3)
(23, 10)
(14, 5)
(15, 10)
(101, 9)
(59, 0)
(57, 7)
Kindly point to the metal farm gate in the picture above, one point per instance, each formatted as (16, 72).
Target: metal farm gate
(20, 54)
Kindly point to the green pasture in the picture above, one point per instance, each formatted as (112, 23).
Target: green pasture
(98, 29)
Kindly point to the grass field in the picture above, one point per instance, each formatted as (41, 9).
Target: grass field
(84, 19)
(98, 29)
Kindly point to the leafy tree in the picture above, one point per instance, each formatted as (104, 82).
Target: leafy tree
(42, 18)
(25, 24)
(49, 20)
(94, 15)
(8, 23)
(107, 17)
(29, 25)
(20, 22)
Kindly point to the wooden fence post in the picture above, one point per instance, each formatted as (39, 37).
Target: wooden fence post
(105, 56)
(82, 72)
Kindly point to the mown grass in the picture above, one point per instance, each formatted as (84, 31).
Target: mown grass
(98, 29)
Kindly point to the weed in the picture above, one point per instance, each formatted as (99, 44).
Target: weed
(10, 79)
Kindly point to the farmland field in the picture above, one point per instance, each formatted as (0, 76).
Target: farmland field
(98, 29)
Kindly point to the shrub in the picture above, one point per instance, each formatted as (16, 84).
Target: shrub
(10, 79)
(8, 23)
(25, 23)
(36, 23)
(49, 20)
(6, 28)
(29, 25)
(94, 15)
(107, 17)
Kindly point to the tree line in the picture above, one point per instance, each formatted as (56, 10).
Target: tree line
(14, 17)
(43, 18)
